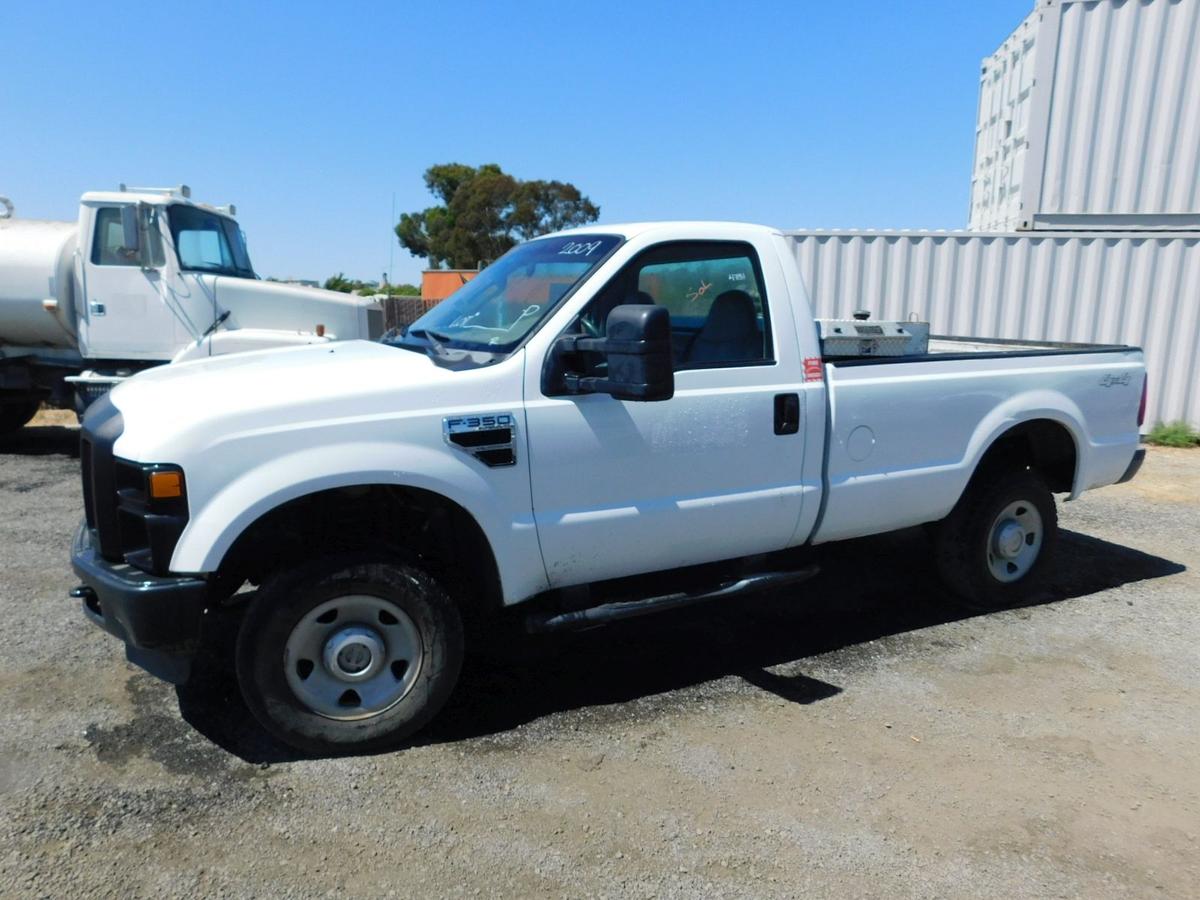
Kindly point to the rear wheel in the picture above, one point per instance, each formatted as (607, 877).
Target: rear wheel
(349, 654)
(16, 414)
(993, 548)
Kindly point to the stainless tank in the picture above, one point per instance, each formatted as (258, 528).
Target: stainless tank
(37, 283)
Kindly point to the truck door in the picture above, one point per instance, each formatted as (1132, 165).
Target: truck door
(123, 316)
(621, 487)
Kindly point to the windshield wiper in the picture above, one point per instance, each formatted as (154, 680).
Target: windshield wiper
(436, 340)
(431, 335)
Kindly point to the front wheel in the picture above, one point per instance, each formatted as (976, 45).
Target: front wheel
(349, 654)
(993, 548)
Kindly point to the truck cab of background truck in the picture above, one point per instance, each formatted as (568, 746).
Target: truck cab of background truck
(144, 277)
(603, 423)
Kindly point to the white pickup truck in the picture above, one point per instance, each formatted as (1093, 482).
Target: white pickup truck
(599, 414)
(146, 276)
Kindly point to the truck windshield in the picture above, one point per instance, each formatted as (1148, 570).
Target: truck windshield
(506, 301)
(207, 242)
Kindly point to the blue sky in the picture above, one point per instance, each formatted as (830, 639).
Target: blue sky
(309, 116)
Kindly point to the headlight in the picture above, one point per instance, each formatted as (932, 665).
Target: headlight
(152, 512)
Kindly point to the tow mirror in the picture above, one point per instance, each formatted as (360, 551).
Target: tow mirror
(131, 236)
(637, 347)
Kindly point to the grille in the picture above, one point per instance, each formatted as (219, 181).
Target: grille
(85, 466)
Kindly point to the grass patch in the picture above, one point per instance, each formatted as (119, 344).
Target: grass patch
(1173, 434)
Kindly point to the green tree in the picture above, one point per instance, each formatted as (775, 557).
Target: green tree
(484, 211)
(340, 282)
(400, 290)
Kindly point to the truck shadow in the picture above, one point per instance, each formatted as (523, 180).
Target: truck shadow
(518, 679)
(42, 440)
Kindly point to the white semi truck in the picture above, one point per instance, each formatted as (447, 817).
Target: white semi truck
(145, 276)
(603, 424)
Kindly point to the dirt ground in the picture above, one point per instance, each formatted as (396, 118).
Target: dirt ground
(855, 736)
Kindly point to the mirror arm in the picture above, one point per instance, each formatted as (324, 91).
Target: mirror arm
(576, 344)
(583, 384)
(571, 343)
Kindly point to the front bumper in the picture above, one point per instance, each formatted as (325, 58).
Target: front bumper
(158, 617)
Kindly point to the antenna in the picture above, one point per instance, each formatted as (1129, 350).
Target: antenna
(391, 243)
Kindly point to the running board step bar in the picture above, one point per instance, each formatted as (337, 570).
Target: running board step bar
(628, 609)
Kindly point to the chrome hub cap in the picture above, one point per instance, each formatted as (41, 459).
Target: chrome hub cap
(353, 657)
(1015, 541)
(1010, 539)
(354, 653)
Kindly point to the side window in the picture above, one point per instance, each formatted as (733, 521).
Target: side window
(107, 248)
(109, 243)
(714, 292)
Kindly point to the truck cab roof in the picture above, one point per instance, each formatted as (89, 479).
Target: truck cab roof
(153, 197)
(701, 228)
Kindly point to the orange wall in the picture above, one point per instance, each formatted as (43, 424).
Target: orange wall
(438, 284)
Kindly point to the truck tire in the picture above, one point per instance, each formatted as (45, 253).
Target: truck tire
(993, 548)
(349, 654)
(15, 415)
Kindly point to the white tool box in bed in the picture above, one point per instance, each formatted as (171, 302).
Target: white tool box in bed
(863, 337)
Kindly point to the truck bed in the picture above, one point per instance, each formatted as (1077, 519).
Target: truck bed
(903, 440)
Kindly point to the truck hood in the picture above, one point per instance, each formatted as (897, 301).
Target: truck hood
(291, 307)
(188, 407)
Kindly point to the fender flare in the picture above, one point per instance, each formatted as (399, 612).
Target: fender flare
(238, 504)
(1030, 406)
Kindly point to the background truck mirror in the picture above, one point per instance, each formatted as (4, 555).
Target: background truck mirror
(131, 238)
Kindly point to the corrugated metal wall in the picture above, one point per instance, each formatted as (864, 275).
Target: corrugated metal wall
(1092, 108)
(1131, 289)
(1124, 122)
(1002, 130)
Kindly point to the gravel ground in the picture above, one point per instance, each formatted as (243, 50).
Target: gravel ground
(856, 736)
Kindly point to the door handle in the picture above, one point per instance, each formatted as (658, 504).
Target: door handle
(787, 413)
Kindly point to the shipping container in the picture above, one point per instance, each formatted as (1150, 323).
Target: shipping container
(1089, 118)
(1141, 289)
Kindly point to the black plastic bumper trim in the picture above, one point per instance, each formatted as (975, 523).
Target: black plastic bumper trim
(1134, 464)
(159, 618)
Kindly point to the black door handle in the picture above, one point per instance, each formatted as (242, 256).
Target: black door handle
(787, 413)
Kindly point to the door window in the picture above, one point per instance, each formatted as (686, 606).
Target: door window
(714, 292)
(108, 249)
(108, 246)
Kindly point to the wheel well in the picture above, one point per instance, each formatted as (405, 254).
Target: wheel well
(416, 524)
(1043, 445)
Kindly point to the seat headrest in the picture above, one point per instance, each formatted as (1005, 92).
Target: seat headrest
(732, 316)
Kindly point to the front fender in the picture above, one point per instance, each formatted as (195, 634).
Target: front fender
(498, 499)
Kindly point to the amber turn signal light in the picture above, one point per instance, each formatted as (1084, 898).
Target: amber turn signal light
(165, 485)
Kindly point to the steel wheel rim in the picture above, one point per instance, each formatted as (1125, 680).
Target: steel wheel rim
(353, 657)
(1014, 541)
